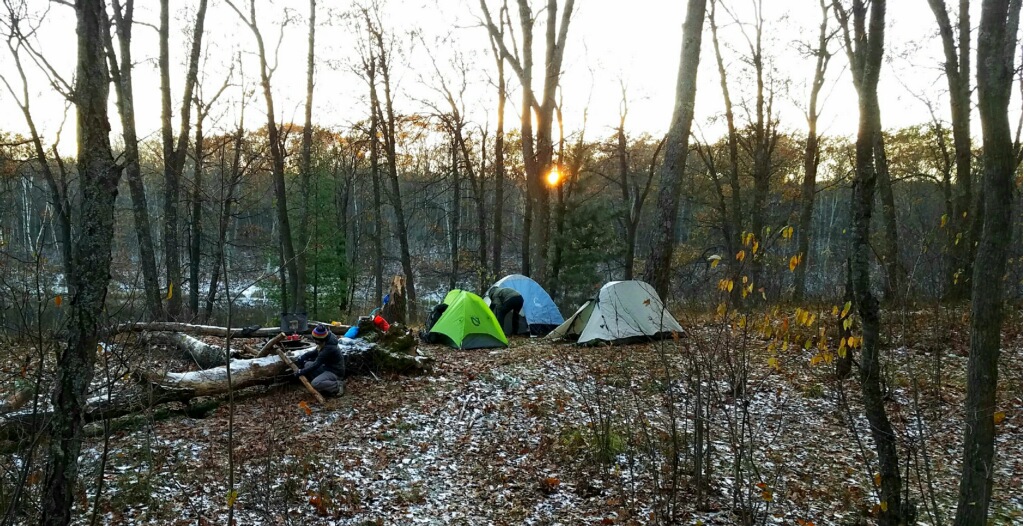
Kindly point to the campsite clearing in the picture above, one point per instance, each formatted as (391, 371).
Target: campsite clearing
(542, 433)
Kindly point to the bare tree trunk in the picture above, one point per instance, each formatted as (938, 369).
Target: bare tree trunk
(896, 272)
(624, 185)
(296, 290)
(811, 158)
(958, 77)
(537, 151)
(499, 163)
(526, 136)
(997, 40)
(481, 209)
(174, 156)
(456, 213)
(866, 60)
(732, 219)
(659, 263)
(196, 228)
(389, 124)
(91, 256)
(378, 218)
(306, 168)
(227, 197)
(121, 75)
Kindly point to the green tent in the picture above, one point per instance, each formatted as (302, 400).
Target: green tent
(468, 323)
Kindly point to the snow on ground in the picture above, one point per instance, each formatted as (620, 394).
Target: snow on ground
(509, 437)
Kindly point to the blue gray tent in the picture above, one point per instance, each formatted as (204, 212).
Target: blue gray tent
(541, 314)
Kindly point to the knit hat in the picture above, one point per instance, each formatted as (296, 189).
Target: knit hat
(320, 331)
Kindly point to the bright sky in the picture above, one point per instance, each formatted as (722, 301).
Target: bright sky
(607, 42)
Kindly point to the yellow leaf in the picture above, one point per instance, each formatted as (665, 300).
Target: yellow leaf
(741, 255)
(232, 497)
(943, 221)
(808, 344)
(745, 279)
(959, 236)
(884, 506)
(878, 479)
(753, 250)
(835, 310)
(773, 363)
(998, 417)
(851, 342)
(58, 301)
(715, 259)
(842, 352)
(793, 262)
(810, 319)
(721, 309)
(766, 496)
(828, 357)
(815, 359)
(170, 290)
(730, 285)
(847, 323)
(846, 309)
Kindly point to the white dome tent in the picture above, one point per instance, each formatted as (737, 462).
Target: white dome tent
(623, 310)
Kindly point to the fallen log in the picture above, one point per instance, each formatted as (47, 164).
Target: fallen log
(159, 388)
(254, 331)
(203, 354)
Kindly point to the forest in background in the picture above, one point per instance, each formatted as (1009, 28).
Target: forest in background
(446, 200)
(234, 212)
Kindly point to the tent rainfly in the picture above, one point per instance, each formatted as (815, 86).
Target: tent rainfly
(623, 310)
(467, 323)
(539, 316)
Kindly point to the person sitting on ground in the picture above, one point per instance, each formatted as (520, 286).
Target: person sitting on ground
(324, 366)
(503, 301)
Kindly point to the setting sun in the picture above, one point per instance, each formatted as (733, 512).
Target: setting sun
(554, 176)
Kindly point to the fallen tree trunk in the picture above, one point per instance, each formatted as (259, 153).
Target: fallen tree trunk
(163, 387)
(210, 330)
(203, 354)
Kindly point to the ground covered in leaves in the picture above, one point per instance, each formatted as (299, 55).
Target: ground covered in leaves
(545, 433)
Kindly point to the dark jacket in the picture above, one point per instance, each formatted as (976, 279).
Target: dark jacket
(502, 295)
(328, 357)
